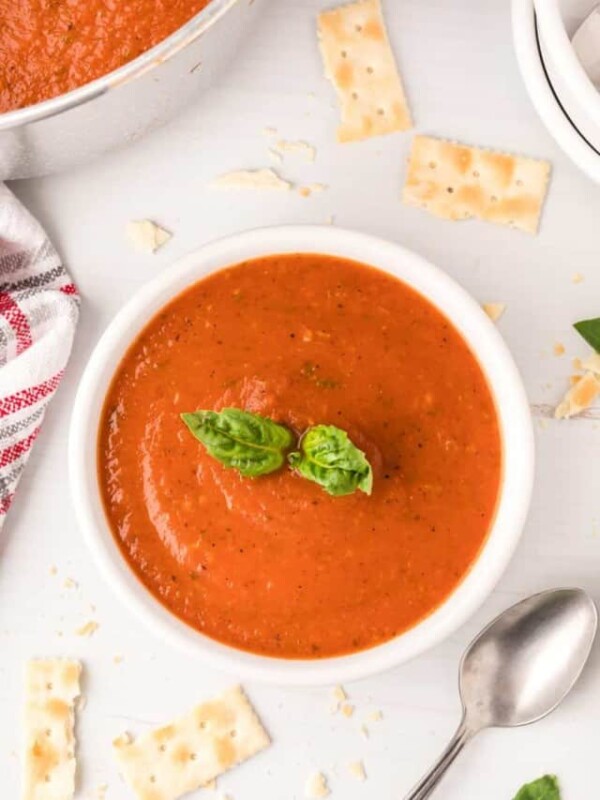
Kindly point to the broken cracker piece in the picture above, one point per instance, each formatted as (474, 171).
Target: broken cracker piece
(357, 770)
(360, 63)
(171, 761)
(89, 629)
(579, 397)
(316, 786)
(251, 179)
(494, 310)
(51, 688)
(146, 236)
(299, 147)
(591, 363)
(458, 182)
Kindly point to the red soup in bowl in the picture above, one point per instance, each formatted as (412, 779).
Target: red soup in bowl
(274, 564)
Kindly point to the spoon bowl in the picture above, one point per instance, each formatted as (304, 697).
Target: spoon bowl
(519, 668)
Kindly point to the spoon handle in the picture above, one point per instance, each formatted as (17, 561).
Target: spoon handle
(429, 782)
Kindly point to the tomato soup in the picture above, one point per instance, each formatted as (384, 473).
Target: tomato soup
(48, 47)
(274, 564)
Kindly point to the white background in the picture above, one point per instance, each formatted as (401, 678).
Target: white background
(462, 81)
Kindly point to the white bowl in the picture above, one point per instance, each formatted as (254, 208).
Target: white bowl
(557, 22)
(487, 345)
(549, 105)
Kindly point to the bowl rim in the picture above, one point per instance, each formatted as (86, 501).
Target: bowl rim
(556, 39)
(486, 344)
(129, 71)
(541, 92)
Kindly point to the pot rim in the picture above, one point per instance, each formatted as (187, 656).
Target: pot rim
(144, 63)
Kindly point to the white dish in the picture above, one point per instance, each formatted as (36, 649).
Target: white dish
(557, 22)
(545, 100)
(487, 345)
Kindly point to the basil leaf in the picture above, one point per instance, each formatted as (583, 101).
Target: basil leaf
(590, 330)
(545, 788)
(252, 444)
(329, 458)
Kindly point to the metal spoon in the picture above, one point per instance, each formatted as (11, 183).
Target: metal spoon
(519, 669)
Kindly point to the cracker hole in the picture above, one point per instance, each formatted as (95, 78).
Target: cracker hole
(47, 778)
(152, 778)
(49, 686)
(358, 28)
(162, 748)
(233, 733)
(494, 199)
(370, 70)
(519, 182)
(344, 54)
(475, 173)
(193, 756)
(381, 111)
(355, 95)
(432, 165)
(450, 189)
(48, 732)
(202, 725)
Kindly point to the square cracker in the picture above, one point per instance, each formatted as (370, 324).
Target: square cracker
(171, 761)
(360, 63)
(51, 688)
(457, 182)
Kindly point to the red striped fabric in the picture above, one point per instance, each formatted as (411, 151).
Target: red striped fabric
(17, 320)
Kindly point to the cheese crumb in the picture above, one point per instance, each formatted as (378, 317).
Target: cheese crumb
(266, 179)
(316, 786)
(347, 709)
(494, 310)
(88, 629)
(580, 396)
(146, 236)
(357, 770)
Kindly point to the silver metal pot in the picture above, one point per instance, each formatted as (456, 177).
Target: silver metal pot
(125, 104)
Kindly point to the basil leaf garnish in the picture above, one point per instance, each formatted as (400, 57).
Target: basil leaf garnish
(252, 444)
(590, 330)
(545, 788)
(329, 458)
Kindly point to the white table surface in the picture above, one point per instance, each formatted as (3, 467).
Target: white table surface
(463, 82)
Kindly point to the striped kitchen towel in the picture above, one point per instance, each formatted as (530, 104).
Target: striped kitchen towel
(39, 306)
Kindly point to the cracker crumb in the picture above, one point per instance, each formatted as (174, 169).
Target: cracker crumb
(123, 740)
(266, 179)
(146, 236)
(69, 583)
(339, 694)
(270, 131)
(559, 349)
(364, 731)
(591, 363)
(89, 629)
(316, 786)
(53, 570)
(117, 659)
(312, 188)
(375, 716)
(580, 396)
(347, 709)
(577, 278)
(357, 770)
(494, 310)
(300, 147)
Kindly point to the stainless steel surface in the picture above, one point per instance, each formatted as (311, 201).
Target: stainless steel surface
(124, 105)
(519, 669)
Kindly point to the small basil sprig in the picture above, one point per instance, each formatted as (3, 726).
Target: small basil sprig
(329, 458)
(252, 444)
(590, 330)
(545, 788)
